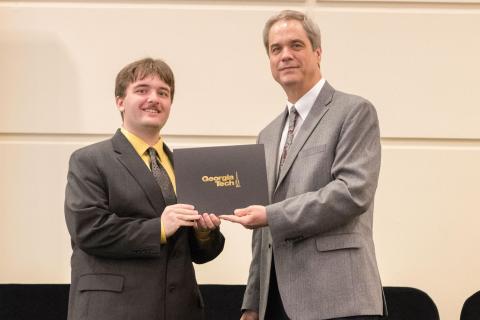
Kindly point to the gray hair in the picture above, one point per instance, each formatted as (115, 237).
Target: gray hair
(310, 27)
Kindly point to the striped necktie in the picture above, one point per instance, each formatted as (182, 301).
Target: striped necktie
(292, 119)
(162, 178)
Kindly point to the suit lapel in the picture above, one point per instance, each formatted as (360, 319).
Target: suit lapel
(129, 158)
(319, 108)
(273, 134)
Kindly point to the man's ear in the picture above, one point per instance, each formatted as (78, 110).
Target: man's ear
(119, 102)
(318, 52)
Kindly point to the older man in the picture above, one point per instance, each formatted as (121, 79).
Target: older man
(313, 252)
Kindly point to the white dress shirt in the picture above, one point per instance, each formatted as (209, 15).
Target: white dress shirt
(303, 106)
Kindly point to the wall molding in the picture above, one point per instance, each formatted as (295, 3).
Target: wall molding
(211, 140)
(252, 3)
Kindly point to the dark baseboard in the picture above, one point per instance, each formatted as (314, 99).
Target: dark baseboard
(222, 302)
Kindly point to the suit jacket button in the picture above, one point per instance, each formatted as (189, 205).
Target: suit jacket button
(171, 288)
(269, 245)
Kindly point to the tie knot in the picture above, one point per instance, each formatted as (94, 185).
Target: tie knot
(292, 117)
(152, 152)
(153, 157)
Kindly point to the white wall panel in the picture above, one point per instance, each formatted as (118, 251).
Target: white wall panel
(217, 65)
(426, 221)
(34, 241)
(418, 66)
(415, 64)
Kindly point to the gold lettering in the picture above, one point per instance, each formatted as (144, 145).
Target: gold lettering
(227, 180)
(224, 184)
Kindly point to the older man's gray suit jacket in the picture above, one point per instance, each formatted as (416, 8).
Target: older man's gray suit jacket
(320, 216)
(119, 269)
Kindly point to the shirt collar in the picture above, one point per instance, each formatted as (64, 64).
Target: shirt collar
(305, 103)
(139, 145)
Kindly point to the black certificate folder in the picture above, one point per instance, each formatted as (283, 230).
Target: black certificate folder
(221, 179)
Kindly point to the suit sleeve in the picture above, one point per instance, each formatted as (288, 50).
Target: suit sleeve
(350, 193)
(251, 298)
(206, 250)
(95, 229)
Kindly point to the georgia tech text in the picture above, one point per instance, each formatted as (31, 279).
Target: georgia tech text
(228, 180)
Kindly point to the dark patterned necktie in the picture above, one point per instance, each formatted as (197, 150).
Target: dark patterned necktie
(292, 119)
(162, 178)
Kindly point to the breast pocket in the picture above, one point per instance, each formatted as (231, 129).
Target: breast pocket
(311, 169)
(313, 150)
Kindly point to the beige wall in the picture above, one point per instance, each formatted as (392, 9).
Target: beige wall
(417, 62)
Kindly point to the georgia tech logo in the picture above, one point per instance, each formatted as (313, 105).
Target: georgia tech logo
(228, 180)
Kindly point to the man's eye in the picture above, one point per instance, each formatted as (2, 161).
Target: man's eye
(163, 94)
(141, 91)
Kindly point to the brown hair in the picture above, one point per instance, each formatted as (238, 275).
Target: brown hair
(310, 27)
(141, 69)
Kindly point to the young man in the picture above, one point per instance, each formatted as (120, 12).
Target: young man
(133, 245)
(313, 252)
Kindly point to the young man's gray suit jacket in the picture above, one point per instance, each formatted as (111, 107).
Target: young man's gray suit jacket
(320, 216)
(119, 269)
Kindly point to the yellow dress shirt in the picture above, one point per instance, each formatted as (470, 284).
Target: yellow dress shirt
(141, 147)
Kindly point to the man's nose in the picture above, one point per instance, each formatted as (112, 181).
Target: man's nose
(153, 96)
(286, 54)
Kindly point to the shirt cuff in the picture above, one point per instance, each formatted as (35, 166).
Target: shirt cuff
(202, 236)
(163, 235)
